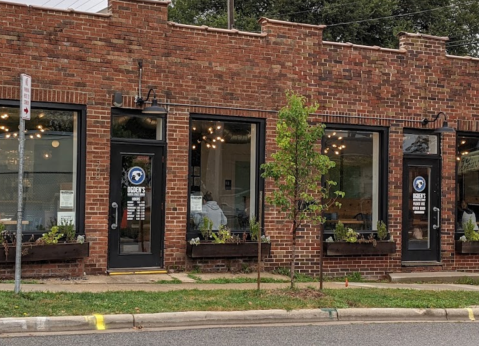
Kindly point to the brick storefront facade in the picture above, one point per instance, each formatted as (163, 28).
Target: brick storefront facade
(83, 59)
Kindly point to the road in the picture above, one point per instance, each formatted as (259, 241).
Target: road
(390, 334)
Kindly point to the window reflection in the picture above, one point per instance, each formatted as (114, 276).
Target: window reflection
(50, 168)
(223, 169)
(467, 198)
(356, 154)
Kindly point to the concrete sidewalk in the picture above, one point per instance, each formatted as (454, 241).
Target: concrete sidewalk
(183, 281)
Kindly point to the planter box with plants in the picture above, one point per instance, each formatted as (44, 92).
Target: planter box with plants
(469, 242)
(347, 242)
(223, 244)
(58, 244)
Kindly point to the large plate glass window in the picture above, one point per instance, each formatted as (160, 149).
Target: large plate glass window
(358, 174)
(467, 190)
(224, 176)
(50, 165)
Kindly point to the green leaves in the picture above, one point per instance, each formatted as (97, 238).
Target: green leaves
(298, 166)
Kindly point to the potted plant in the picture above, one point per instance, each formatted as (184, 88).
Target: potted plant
(469, 242)
(223, 244)
(60, 243)
(348, 242)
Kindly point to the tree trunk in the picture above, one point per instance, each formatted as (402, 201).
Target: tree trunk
(293, 255)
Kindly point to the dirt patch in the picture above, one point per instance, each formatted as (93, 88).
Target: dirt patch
(305, 294)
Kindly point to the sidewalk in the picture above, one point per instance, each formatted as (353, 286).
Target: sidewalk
(149, 282)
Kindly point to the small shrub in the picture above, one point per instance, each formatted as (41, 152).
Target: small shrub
(51, 237)
(206, 227)
(67, 229)
(340, 232)
(253, 228)
(382, 230)
(469, 232)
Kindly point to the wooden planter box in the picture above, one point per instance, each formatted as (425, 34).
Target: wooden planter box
(212, 250)
(349, 249)
(34, 252)
(467, 246)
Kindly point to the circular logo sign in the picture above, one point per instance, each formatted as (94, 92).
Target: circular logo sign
(136, 175)
(419, 184)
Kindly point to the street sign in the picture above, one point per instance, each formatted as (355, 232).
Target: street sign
(25, 96)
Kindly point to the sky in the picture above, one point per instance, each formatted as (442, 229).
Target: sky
(79, 5)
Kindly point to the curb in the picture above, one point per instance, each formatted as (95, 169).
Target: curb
(205, 318)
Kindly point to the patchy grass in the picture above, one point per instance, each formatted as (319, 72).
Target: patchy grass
(67, 304)
(167, 282)
(240, 280)
(26, 282)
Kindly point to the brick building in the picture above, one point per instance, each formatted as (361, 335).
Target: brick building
(132, 181)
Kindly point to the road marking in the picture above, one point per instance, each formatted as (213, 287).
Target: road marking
(100, 322)
(471, 314)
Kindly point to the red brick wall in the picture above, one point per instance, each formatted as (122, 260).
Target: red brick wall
(83, 59)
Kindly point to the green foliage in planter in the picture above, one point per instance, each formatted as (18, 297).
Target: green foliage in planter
(224, 236)
(351, 236)
(253, 229)
(340, 232)
(206, 227)
(67, 229)
(2, 237)
(51, 237)
(382, 230)
(469, 232)
(346, 234)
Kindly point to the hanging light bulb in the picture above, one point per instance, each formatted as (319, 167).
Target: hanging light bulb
(194, 147)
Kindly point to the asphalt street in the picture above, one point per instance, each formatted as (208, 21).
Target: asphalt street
(359, 334)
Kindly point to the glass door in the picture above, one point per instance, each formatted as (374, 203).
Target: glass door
(421, 210)
(136, 212)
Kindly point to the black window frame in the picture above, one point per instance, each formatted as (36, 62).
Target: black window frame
(383, 168)
(260, 157)
(81, 157)
(457, 232)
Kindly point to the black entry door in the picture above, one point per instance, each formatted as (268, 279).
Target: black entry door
(136, 206)
(421, 210)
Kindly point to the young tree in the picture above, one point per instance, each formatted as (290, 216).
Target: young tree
(297, 169)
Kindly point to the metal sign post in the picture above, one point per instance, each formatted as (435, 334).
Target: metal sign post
(25, 105)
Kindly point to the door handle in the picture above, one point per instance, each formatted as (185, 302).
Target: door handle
(437, 210)
(114, 205)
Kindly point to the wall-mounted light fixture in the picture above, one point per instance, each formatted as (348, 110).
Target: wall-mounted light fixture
(154, 109)
(445, 128)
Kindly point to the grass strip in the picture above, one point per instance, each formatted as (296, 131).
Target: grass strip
(70, 304)
(241, 281)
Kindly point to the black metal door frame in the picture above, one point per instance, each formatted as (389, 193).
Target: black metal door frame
(154, 258)
(432, 212)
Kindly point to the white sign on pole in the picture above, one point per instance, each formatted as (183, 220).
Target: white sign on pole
(25, 96)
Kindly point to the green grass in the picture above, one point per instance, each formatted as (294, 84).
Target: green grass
(168, 282)
(241, 281)
(27, 282)
(67, 304)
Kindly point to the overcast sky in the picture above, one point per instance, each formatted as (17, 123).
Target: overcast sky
(80, 5)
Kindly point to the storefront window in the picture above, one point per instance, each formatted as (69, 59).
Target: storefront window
(50, 168)
(467, 198)
(223, 174)
(357, 173)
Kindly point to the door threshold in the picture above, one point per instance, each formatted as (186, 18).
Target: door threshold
(136, 271)
(420, 263)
